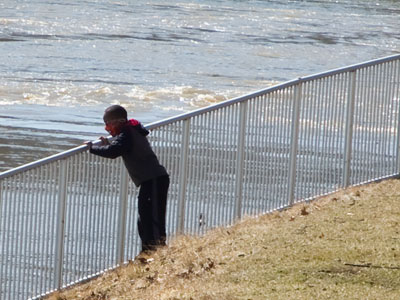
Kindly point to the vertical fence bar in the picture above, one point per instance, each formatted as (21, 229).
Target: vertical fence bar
(349, 129)
(123, 202)
(398, 141)
(240, 160)
(397, 92)
(2, 260)
(183, 167)
(294, 141)
(62, 198)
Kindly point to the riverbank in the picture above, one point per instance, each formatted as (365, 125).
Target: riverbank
(342, 246)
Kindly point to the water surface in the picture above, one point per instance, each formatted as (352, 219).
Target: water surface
(62, 63)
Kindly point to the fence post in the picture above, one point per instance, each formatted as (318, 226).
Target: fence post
(183, 176)
(294, 141)
(349, 129)
(398, 141)
(240, 160)
(398, 120)
(62, 197)
(123, 202)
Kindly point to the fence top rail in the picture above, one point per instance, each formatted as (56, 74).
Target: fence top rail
(207, 109)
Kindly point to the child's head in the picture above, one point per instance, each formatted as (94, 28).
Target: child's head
(115, 117)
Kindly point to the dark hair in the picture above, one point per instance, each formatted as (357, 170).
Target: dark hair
(115, 112)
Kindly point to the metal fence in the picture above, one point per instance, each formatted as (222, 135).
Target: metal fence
(72, 215)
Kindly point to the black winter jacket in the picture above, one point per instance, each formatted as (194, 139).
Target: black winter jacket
(139, 159)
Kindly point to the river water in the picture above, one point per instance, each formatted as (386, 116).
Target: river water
(63, 62)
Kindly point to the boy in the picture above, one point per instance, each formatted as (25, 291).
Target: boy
(144, 169)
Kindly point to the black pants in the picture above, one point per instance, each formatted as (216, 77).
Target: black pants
(152, 208)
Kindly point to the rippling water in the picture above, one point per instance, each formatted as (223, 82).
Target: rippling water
(62, 63)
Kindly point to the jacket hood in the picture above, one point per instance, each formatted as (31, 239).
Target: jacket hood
(138, 126)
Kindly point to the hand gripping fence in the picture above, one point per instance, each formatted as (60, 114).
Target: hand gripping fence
(67, 217)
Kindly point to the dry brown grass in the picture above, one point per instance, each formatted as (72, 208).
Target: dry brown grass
(343, 246)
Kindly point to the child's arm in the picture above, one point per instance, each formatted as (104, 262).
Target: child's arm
(117, 147)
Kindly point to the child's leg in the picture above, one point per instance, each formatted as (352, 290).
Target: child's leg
(145, 227)
(159, 207)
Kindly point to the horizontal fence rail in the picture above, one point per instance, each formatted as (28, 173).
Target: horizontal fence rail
(70, 216)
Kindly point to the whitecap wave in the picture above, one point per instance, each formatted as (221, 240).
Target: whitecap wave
(178, 98)
(191, 96)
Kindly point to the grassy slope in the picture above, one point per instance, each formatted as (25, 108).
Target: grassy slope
(343, 246)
